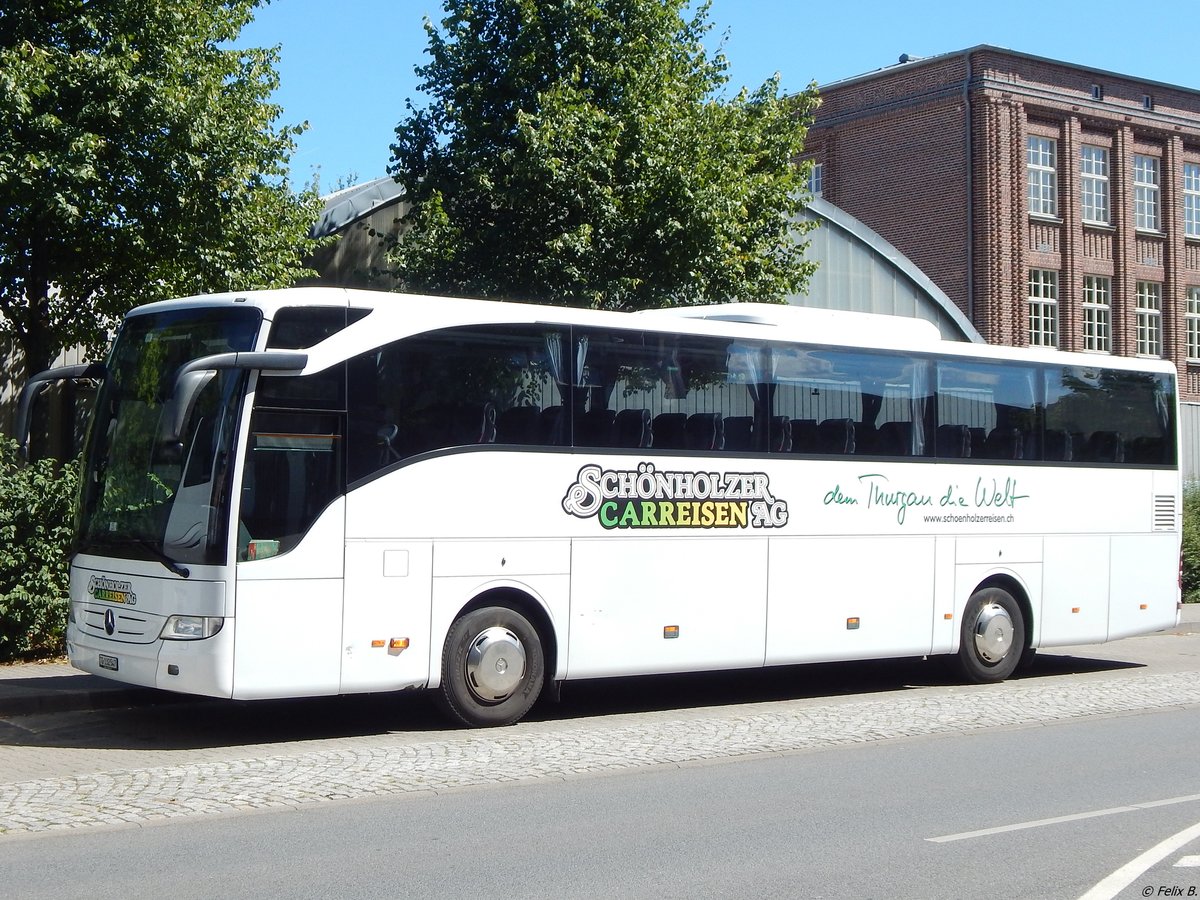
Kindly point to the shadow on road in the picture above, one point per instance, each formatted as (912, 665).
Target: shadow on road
(163, 721)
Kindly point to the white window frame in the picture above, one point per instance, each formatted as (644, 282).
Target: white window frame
(1097, 313)
(1041, 167)
(1043, 308)
(1093, 170)
(1191, 318)
(816, 179)
(1145, 193)
(1191, 199)
(1149, 318)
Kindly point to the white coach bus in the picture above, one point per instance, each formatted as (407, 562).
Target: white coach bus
(320, 491)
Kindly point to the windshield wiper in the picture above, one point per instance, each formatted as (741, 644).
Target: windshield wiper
(153, 550)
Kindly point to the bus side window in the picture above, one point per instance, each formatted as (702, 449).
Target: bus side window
(1109, 416)
(459, 387)
(839, 402)
(293, 471)
(997, 404)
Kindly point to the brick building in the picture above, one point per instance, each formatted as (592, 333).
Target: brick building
(1054, 204)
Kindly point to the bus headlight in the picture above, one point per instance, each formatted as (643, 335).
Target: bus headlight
(191, 628)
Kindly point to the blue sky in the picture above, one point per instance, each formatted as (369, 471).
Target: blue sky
(347, 68)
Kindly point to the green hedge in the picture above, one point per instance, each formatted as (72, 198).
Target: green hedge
(36, 514)
(1191, 543)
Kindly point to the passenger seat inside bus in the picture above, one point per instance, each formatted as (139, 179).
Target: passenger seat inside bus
(552, 430)
(894, 439)
(705, 431)
(453, 425)
(739, 432)
(1003, 443)
(953, 442)
(780, 435)
(976, 438)
(631, 428)
(1147, 449)
(1105, 446)
(670, 431)
(836, 436)
(1057, 446)
(518, 425)
(595, 428)
(804, 435)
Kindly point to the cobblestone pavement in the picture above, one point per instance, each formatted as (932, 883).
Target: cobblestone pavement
(394, 764)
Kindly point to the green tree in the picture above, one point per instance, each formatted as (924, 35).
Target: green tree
(37, 502)
(139, 160)
(581, 152)
(1190, 552)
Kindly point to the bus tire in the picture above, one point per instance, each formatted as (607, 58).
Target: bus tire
(493, 667)
(993, 636)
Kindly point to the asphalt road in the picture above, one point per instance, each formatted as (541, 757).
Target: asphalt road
(860, 821)
(876, 780)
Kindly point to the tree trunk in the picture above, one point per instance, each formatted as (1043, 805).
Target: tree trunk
(35, 334)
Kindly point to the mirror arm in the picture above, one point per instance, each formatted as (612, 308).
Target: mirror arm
(192, 376)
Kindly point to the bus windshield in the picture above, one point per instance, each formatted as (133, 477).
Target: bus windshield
(143, 500)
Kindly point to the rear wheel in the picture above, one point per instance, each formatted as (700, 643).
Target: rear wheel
(993, 636)
(493, 667)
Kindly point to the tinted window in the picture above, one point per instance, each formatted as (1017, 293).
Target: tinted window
(299, 328)
(669, 392)
(455, 388)
(636, 390)
(848, 401)
(1101, 416)
(293, 471)
(987, 411)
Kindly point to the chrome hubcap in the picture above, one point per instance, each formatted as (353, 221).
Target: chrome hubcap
(495, 664)
(993, 633)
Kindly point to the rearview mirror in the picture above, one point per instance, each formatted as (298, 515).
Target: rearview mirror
(35, 385)
(192, 377)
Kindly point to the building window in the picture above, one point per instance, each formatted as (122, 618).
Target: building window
(816, 179)
(1192, 320)
(1149, 318)
(1097, 314)
(1042, 167)
(1094, 187)
(1097, 92)
(1145, 193)
(1043, 308)
(1191, 199)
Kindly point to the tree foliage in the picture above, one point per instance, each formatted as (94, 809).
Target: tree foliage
(37, 503)
(1190, 552)
(582, 152)
(140, 160)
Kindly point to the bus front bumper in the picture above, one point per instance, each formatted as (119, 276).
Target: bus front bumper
(203, 667)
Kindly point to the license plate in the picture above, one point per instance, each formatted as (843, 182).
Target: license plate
(108, 662)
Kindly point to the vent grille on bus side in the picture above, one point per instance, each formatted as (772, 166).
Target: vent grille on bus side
(1164, 512)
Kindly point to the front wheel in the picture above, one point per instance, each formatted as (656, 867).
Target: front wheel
(993, 636)
(493, 667)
